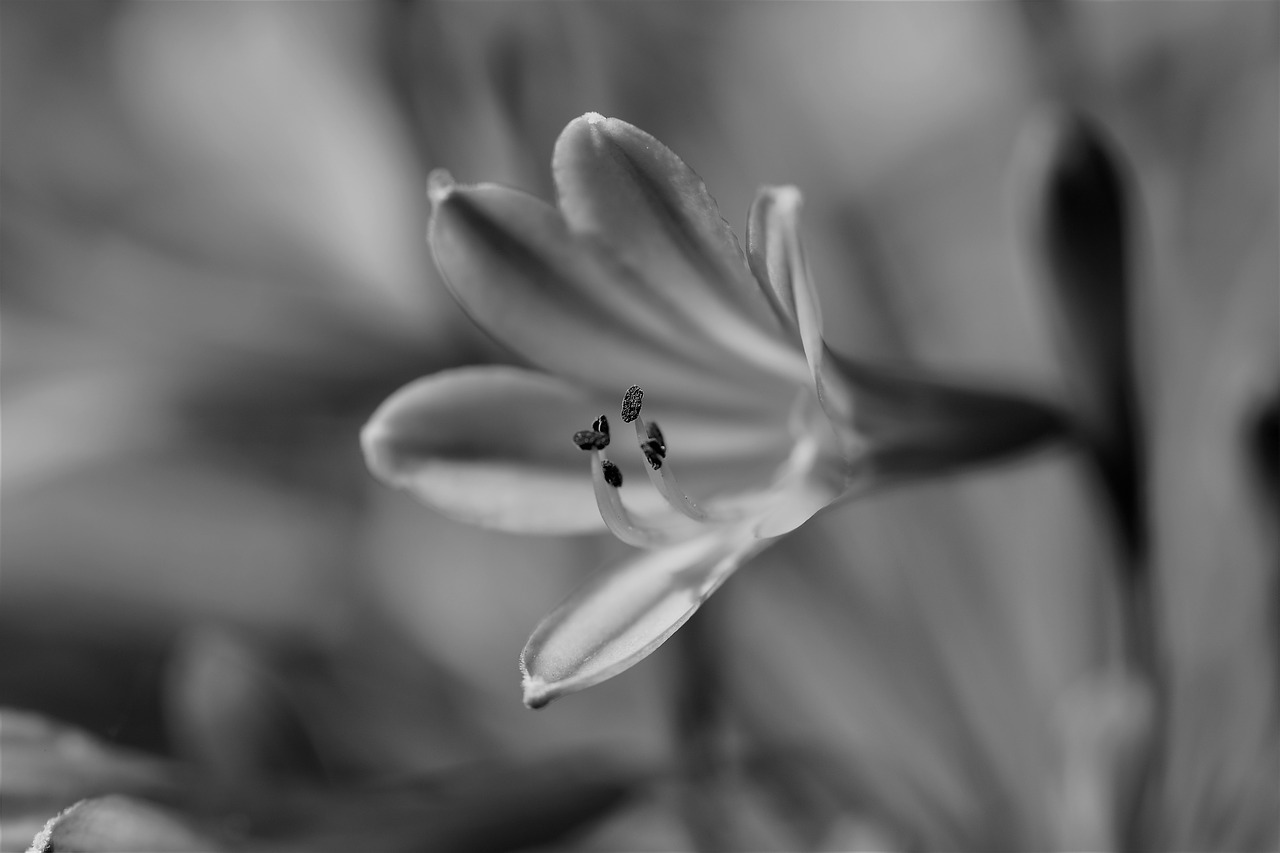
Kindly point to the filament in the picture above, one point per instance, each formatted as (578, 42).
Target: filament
(642, 533)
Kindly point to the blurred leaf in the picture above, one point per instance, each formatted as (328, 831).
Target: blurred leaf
(231, 717)
(1216, 368)
(328, 198)
(1218, 548)
(498, 806)
(1075, 199)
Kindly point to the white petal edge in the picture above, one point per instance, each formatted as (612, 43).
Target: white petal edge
(780, 255)
(488, 445)
(625, 612)
(625, 187)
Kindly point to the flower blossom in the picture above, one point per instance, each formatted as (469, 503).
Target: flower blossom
(736, 422)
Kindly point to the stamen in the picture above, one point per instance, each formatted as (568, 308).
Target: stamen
(612, 475)
(601, 425)
(631, 402)
(661, 475)
(656, 439)
(642, 533)
(652, 453)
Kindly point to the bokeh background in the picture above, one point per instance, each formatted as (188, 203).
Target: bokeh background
(213, 270)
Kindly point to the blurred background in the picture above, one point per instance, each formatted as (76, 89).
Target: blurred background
(214, 269)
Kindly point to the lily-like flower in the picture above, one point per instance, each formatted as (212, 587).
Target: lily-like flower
(745, 424)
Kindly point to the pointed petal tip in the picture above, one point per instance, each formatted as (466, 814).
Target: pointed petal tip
(537, 693)
(373, 444)
(593, 128)
(440, 184)
(786, 197)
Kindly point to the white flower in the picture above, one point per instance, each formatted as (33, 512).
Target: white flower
(635, 289)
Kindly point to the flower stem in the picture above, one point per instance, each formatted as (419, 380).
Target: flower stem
(698, 715)
(1120, 471)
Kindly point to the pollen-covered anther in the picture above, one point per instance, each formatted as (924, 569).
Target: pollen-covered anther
(612, 474)
(590, 439)
(631, 402)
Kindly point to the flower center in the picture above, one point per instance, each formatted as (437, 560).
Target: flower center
(667, 528)
(608, 479)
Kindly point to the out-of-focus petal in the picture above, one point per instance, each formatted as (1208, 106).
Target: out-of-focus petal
(488, 446)
(119, 824)
(1104, 724)
(624, 613)
(620, 184)
(49, 766)
(229, 715)
(566, 303)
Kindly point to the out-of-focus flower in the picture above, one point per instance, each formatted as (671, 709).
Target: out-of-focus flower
(260, 763)
(637, 277)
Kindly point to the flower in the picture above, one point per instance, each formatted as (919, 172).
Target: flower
(636, 287)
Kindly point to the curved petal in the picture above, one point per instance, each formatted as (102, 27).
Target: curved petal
(777, 258)
(908, 422)
(618, 183)
(113, 823)
(619, 617)
(769, 253)
(490, 446)
(800, 501)
(565, 303)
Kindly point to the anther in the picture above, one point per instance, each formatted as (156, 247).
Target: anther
(590, 439)
(652, 454)
(631, 402)
(612, 475)
(601, 425)
(656, 440)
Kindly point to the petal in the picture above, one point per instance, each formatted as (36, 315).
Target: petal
(900, 422)
(488, 446)
(565, 303)
(116, 823)
(773, 248)
(48, 766)
(624, 613)
(800, 500)
(491, 446)
(633, 193)
(777, 258)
